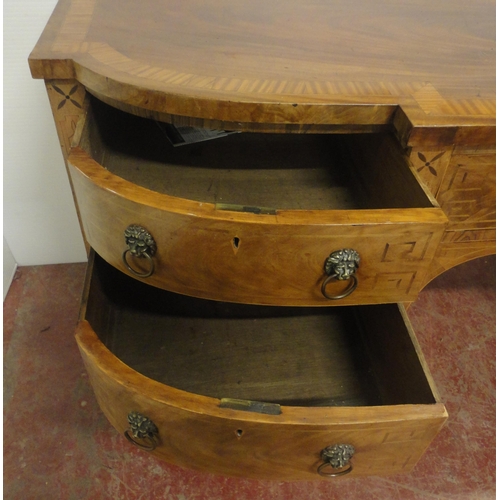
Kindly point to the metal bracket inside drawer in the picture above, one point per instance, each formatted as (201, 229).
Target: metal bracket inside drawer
(253, 406)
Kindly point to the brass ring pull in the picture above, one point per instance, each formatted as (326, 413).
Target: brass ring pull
(338, 458)
(152, 440)
(144, 429)
(341, 265)
(148, 273)
(348, 291)
(335, 473)
(140, 245)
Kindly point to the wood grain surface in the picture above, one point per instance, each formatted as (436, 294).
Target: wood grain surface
(285, 62)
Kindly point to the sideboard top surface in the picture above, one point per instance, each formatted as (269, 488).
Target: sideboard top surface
(293, 61)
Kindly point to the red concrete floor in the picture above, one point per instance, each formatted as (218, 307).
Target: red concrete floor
(58, 445)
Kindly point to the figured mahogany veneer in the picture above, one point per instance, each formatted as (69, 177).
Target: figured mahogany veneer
(279, 63)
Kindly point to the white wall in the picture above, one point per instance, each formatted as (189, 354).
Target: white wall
(9, 268)
(40, 222)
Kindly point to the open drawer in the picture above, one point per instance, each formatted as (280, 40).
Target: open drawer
(257, 391)
(254, 218)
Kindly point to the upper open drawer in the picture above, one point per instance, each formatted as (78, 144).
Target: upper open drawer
(255, 217)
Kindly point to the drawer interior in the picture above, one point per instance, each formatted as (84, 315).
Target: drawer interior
(295, 356)
(274, 171)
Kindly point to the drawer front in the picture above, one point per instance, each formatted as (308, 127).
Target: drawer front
(235, 256)
(194, 432)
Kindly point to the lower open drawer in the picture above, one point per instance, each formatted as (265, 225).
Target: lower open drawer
(257, 391)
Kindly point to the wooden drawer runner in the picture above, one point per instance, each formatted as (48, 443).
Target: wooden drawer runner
(207, 208)
(320, 376)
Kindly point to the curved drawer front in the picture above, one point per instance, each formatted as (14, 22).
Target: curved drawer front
(216, 352)
(234, 256)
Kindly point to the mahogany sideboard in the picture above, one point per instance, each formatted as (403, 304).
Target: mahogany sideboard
(244, 309)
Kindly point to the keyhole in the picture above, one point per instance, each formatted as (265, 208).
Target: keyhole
(239, 433)
(236, 244)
